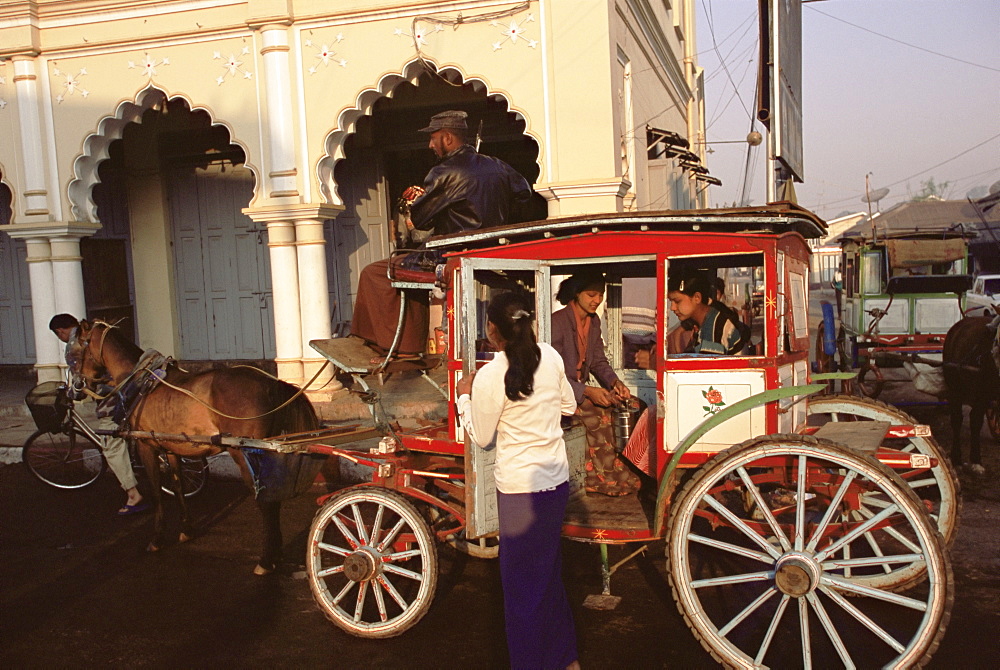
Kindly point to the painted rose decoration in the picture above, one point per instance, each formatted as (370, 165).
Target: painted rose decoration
(714, 399)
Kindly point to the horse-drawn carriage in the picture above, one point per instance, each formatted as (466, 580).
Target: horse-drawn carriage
(902, 292)
(799, 529)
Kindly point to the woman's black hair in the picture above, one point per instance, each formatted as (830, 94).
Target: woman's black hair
(510, 313)
(581, 281)
(691, 284)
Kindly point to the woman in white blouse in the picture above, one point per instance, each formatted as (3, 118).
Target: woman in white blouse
(517, 400)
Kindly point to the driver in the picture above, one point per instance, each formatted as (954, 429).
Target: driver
(464, 191)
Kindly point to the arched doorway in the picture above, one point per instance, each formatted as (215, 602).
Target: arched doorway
(385, 154)
(17, 333)
(170, 198)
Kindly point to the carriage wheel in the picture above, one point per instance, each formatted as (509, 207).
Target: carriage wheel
(938, 487)
(870, 381)
(372, 562)
(761, 556)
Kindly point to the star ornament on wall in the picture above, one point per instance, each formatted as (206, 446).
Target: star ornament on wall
(148, 65)
(513, 32)
(420, 34)
(232, 66)
(326, 55)
(71, 84)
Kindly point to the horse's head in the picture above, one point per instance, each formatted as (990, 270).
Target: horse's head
(86, 353)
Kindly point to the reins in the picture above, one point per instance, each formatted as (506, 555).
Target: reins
(99, 359)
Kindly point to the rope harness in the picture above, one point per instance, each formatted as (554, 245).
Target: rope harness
(151, 370)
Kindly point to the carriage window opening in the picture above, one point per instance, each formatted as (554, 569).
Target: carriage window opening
(488, 285)
(730, 321)
(871, 269)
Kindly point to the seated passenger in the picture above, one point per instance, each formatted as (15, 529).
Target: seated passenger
(716, 329)
(576, 335)
(464, 191)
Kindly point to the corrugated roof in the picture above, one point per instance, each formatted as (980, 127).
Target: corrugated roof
(925, 216)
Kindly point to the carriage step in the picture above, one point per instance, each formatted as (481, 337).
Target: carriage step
(863, 436)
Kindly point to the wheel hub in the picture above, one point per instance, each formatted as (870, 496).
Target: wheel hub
(360, 566)
(797, 574)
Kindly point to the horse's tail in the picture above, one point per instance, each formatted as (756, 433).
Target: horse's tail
(297, 416)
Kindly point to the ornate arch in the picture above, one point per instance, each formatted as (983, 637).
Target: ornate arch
(110, 128)
(347, 120)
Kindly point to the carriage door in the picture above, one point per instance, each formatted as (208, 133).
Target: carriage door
(222, 267)
(480, 280)
(360, 234)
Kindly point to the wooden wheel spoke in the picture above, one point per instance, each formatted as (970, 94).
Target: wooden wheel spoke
(772, 628)
(804, 631)
(403, 555)
(380, 602)
(764, 508)
(832, 581)
(800, 505)
(728, 580)
(741, 525)
(330, 571)
(391, 590)
(832, 509)
(390, 536)
(345, 531)
(343, 592)
(864, 619)
(333, 549)
(748, 610)
(893, 533)
(359, 523)
(871, 561)
(359, 606)
(731, 548)
(831, 630)
(857, 532)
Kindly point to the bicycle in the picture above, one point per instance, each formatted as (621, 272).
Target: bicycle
(65, 452)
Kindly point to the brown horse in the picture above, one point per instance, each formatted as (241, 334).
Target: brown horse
(971, 360)
(239, 401)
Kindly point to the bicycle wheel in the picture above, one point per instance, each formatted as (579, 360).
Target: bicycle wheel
(69, 460)
(194, 473)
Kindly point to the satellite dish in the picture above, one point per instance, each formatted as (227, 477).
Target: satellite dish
(876, 195)
(995, 188)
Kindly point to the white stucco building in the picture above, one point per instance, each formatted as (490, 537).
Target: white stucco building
(219, 171)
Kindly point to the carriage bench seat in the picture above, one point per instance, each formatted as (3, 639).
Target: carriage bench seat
(353, 356)
(863, 436)
(403, 278)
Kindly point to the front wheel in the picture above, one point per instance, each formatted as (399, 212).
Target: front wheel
(764, 555)
(372, 562)
(69, 460)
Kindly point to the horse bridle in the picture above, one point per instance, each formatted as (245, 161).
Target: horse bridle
(99, 358)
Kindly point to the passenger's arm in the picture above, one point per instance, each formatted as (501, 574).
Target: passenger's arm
(479, 413)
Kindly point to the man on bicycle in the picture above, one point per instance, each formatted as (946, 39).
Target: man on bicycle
(115, 448)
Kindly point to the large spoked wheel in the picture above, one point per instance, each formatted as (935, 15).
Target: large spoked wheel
(372, 562)
(68, 460)
(937, 487)
(761, 557)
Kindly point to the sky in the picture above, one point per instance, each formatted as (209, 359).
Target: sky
(898, 91)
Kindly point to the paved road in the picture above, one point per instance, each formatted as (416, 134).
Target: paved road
(77, 589)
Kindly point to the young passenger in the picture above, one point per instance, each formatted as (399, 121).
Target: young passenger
(576, 335)
(520, 397)
(716, 328)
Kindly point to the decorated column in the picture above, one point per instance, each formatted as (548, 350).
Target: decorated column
(314, 296)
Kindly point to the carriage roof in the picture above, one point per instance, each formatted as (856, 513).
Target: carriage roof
(773, 219)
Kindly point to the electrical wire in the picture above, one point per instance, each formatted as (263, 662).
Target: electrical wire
(912, 46)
